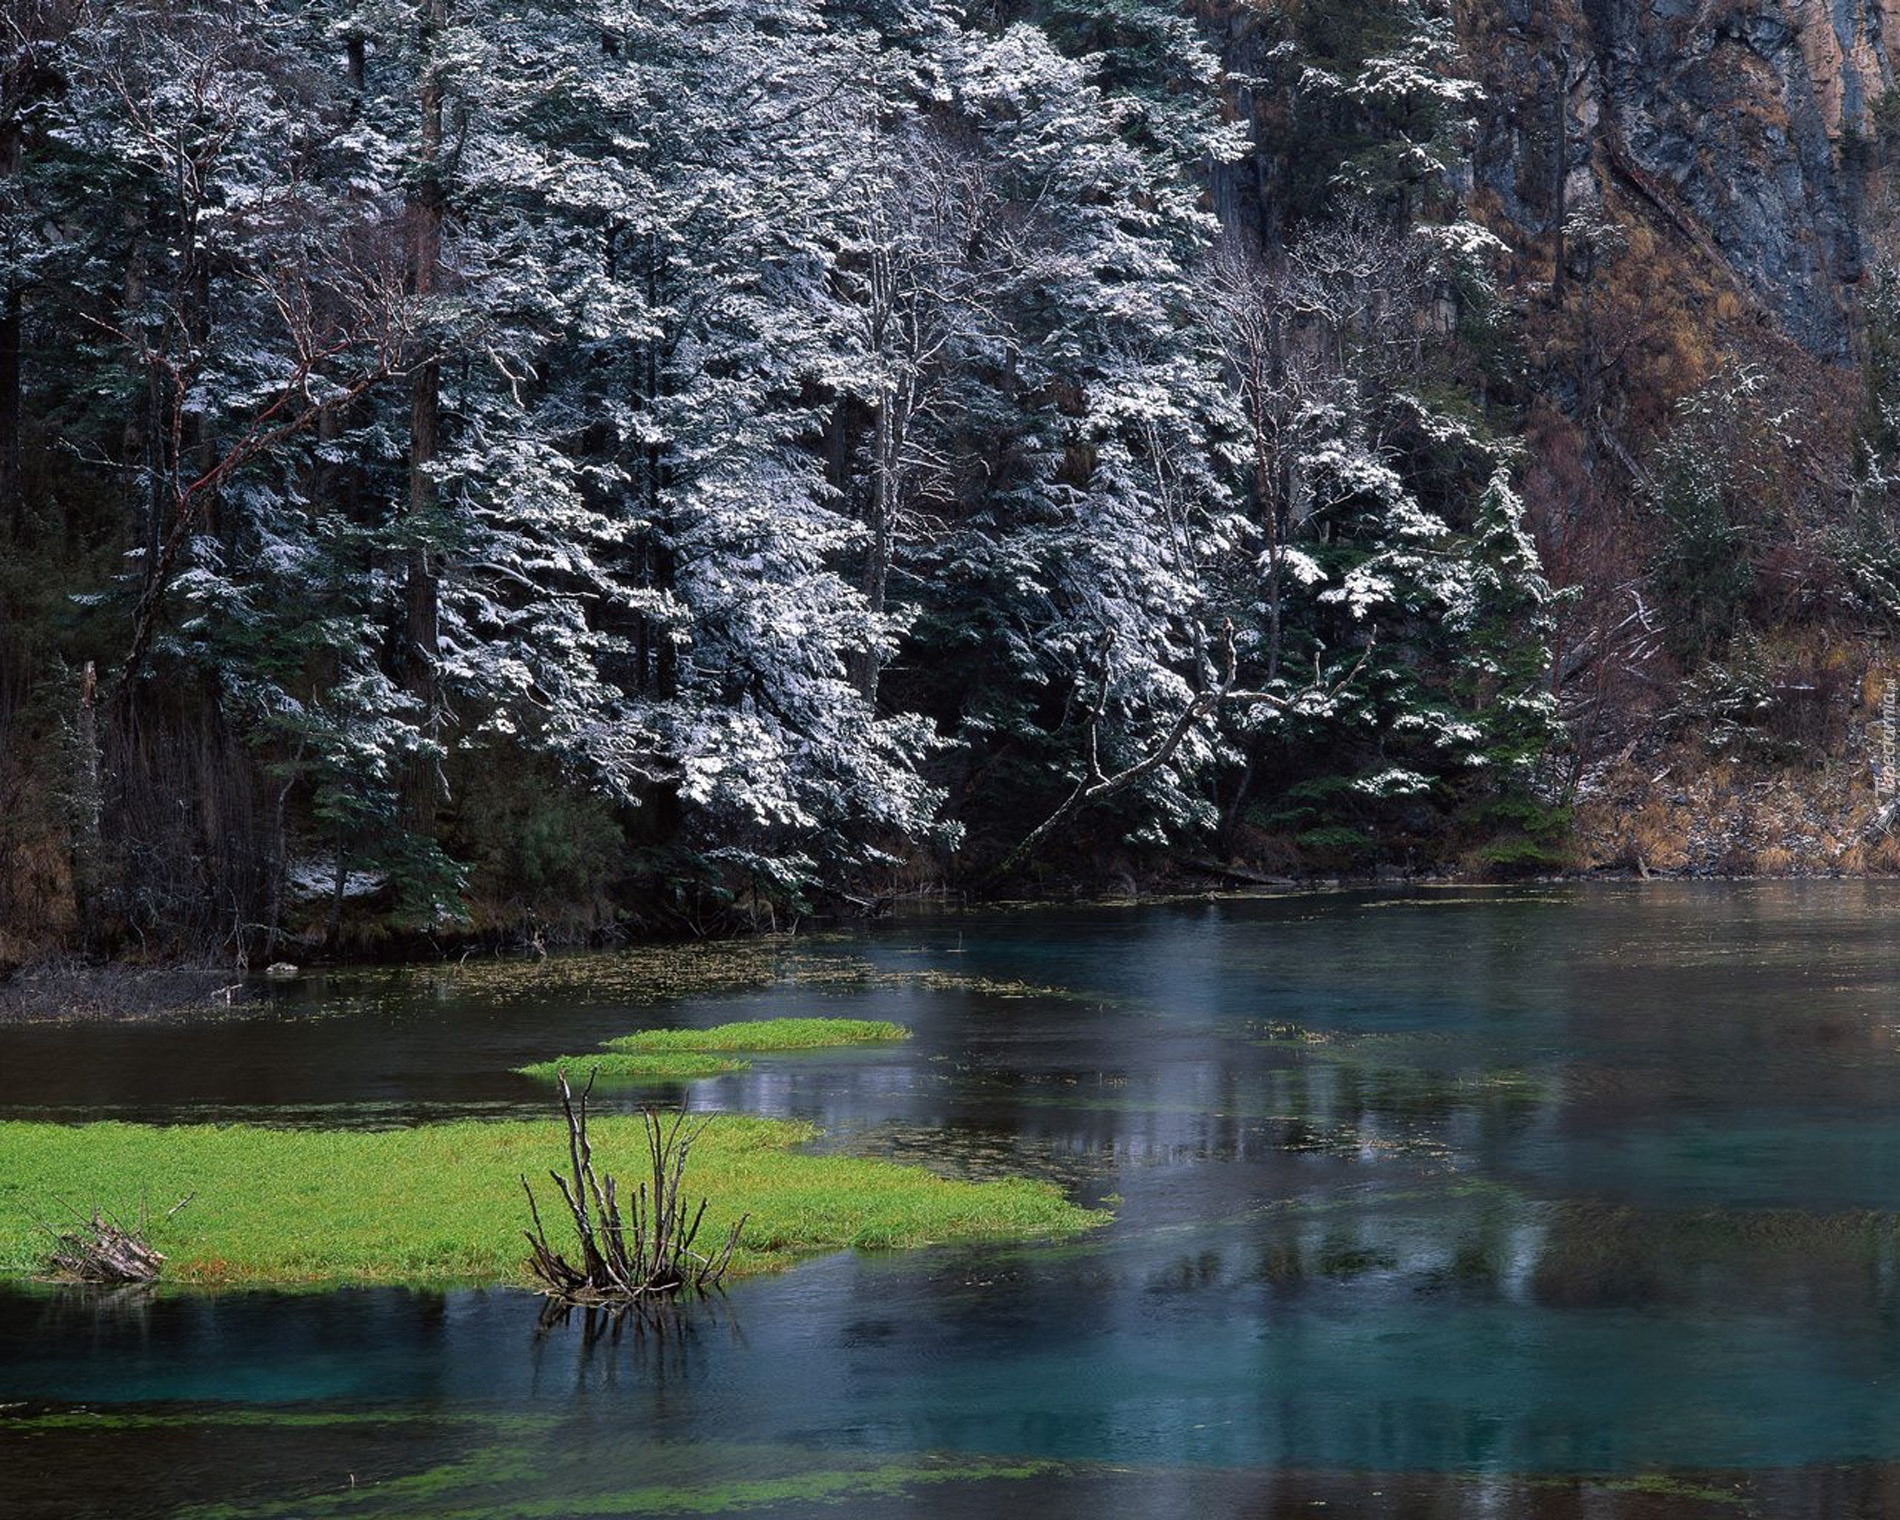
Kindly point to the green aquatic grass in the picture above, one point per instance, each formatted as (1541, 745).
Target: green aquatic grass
(679, 1055)
(466, 1490)
(614, 1066)
(763, 1035)
(1664, 1486)
(110, 1420)
(442, 1203)
(507, 1479)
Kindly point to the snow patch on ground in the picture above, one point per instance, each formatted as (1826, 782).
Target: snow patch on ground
(311, 880)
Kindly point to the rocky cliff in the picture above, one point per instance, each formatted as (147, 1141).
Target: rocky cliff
(1751, 131)
(1690, 187)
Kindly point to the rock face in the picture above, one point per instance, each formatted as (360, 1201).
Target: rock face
(1754, 127)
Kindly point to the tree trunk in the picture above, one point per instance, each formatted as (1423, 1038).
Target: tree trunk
(659, 651)
(421, 593)
(867, 662)
(1267, 505)
(143, 509)
(88, 806)
(12, 413)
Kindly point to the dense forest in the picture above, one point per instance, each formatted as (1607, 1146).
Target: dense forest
(538, 469)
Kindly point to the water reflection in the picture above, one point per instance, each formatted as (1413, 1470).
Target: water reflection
(1579, 1185)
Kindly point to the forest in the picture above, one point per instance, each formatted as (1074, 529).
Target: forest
(545, 470)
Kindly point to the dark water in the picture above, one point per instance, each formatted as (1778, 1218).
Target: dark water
(1576, 1201)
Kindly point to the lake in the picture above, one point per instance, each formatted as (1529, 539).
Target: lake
(1551, 1201)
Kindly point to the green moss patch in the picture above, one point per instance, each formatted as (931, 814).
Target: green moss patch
(679, 1055)
(442, 1203)
(614, 1066)
(765, 1035)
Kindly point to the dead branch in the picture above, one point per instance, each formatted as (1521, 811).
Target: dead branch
(1096, 786)
(102, 1248)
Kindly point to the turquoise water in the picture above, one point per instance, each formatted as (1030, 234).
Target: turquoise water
(1560, 1201)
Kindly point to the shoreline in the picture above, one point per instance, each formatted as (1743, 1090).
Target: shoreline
(63, 989)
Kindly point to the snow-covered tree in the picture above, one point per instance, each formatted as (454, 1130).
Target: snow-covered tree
(797, 429)
(1069, 575)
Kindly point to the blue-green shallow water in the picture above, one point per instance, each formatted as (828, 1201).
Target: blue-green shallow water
(1561, 1200)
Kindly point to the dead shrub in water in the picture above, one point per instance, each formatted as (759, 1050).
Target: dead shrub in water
(648, 1253)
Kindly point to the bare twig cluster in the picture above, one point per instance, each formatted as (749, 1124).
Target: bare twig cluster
(102, 1248)
(631, 1258)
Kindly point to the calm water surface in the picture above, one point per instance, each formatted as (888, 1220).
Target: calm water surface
(1557, 1201)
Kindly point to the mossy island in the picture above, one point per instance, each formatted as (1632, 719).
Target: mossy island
(679, 1055)
(442, 1204)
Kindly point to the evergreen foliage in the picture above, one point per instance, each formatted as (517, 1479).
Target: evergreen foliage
(725, 463)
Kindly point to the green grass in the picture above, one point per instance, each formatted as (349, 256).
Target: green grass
(678, 1055)
(764, 1034)
(612, 1066)
(442, 1203)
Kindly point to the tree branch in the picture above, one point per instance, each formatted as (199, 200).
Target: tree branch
(1097, 787)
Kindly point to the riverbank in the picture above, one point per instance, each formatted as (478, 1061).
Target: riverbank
(64, 990)
(442, 1204)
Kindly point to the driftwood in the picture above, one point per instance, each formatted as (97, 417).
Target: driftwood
(102, 1248)
(629, 1259)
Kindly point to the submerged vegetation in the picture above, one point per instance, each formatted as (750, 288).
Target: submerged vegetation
(442, 1203)
(814, 966)
(478, 1463)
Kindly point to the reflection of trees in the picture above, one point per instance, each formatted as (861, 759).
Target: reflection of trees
(1770, 1261)
(1480, 1250)
(1573, 1255)
(1596, 1258)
